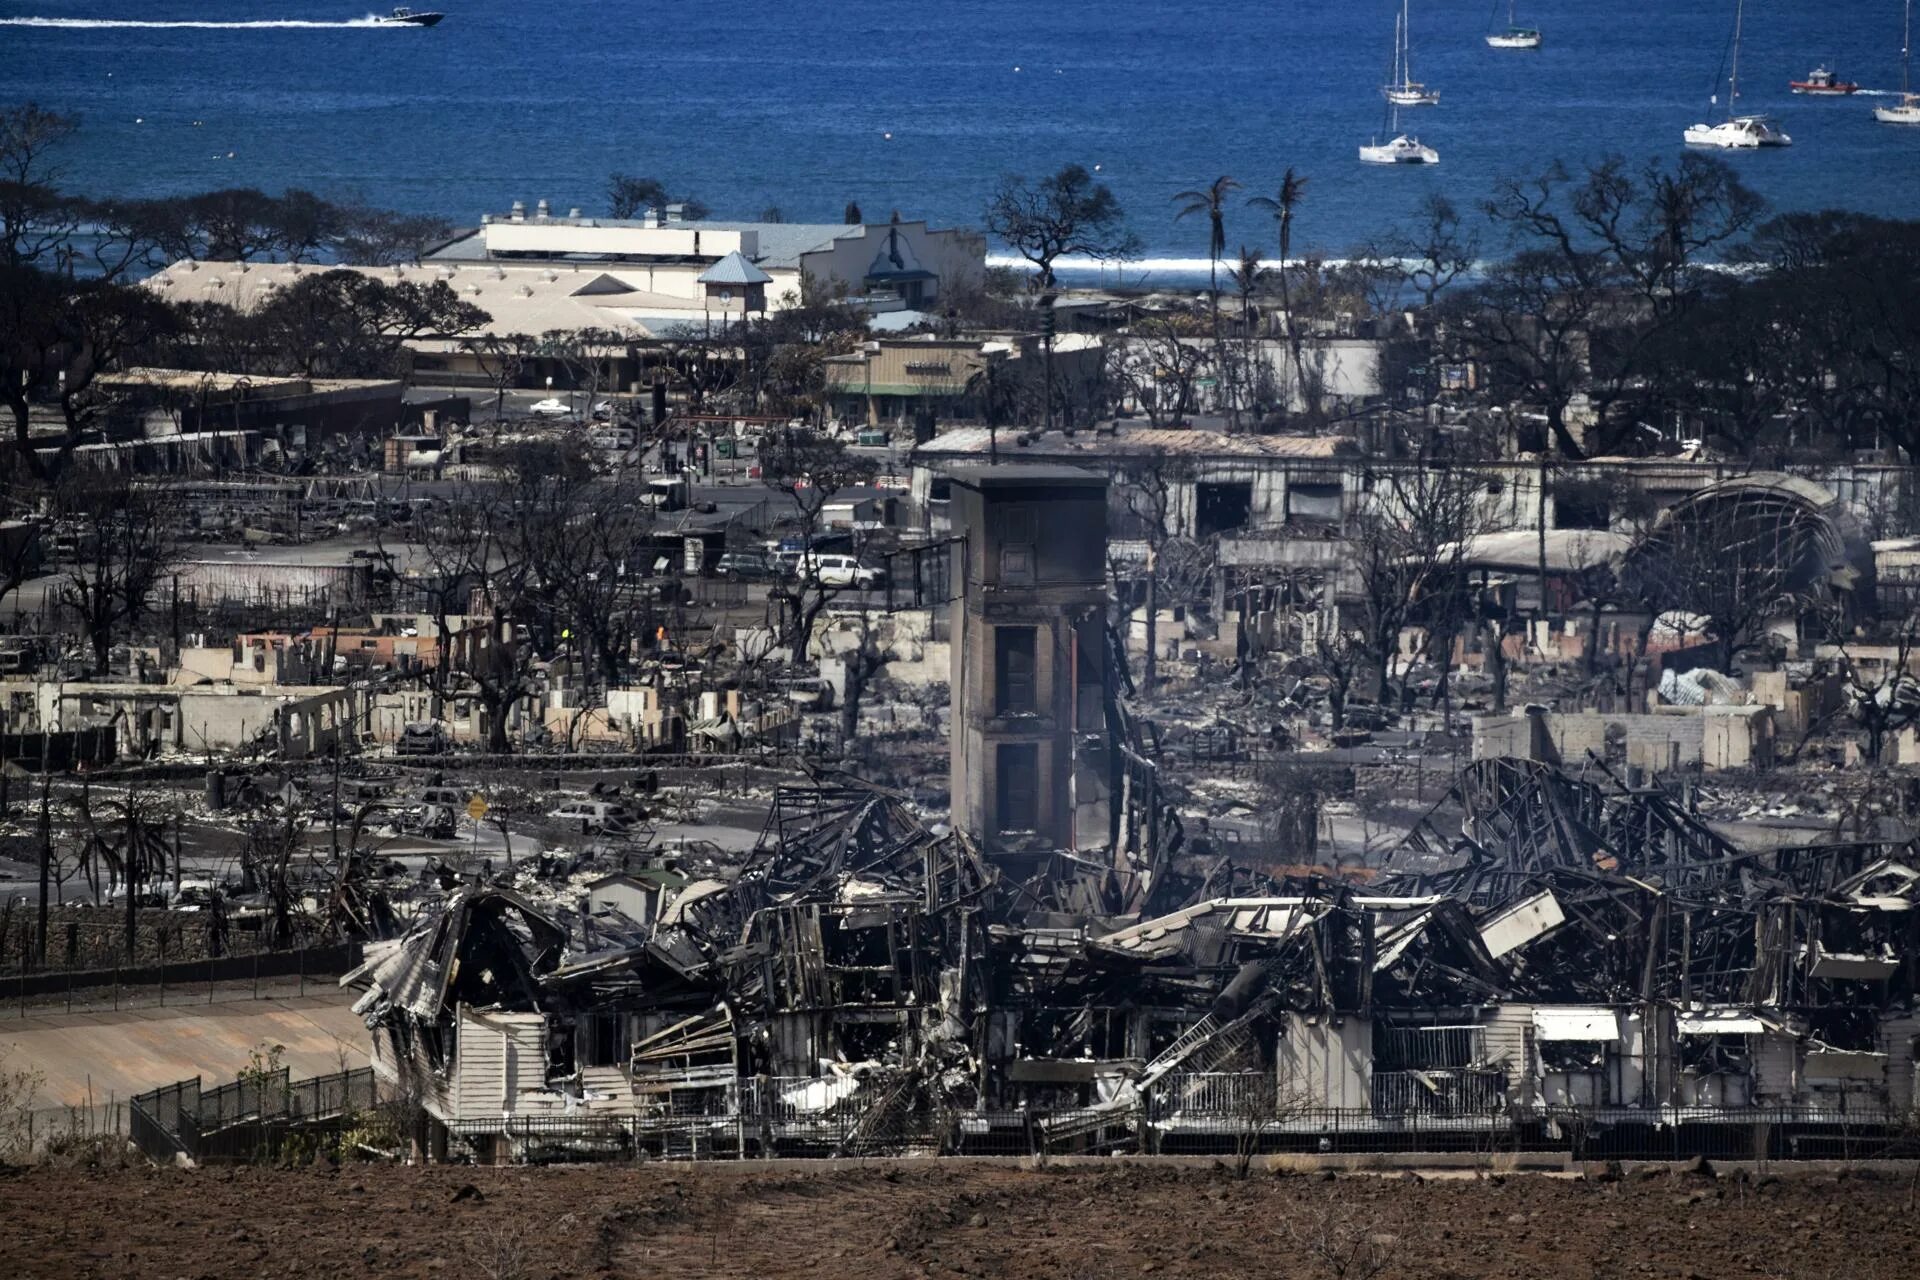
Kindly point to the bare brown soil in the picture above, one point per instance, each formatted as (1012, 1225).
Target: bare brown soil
(872, 1222)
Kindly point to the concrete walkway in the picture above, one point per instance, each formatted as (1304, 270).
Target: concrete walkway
(106, 1055)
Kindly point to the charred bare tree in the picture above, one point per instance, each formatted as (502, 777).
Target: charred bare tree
(1065, 213)
(1405, 549)
(809, 472)
(1159, 362)
(1882, 697)
(503, 359)
(125, 545)
(1151, 490)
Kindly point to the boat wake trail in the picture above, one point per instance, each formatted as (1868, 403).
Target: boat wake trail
(100, 24)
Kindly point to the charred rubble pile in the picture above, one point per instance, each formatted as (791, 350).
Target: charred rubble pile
(1542, 946)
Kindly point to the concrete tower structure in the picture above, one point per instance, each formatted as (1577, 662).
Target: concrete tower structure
(1029, 659)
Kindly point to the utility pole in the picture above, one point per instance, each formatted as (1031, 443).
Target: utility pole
(1047, 324)
(46, 845)
(334, 817)
(131, 864)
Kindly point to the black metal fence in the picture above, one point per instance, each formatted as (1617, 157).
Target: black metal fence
(1763, 1136)
(247, 1119)
(1202, 1115)
(262, 975)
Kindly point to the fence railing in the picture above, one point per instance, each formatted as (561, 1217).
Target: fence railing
(1195, 1114)
(1187, 1114)
(262, 975)
(243, 1119)
(1444, 1092)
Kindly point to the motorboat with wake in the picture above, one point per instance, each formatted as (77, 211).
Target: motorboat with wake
(1821, 82)
(404, 17)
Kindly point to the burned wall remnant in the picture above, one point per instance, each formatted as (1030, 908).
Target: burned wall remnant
(1029, 656)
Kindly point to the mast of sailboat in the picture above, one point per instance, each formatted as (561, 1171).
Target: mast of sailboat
(1399, 45)
(1906, 53)
(1406, 45)
(1733, 80)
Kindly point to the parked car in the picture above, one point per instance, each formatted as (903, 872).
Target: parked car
(422, 738)
(747, 566)
(549, 408)
(594, 815)
(603, 410)
(842, 571)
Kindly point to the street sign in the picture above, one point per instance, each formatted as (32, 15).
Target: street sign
(476, 807)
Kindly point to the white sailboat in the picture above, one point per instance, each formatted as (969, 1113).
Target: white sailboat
(1404, 90)
(1515, 36)
(1907, 110)
(1737, 131)
(1403, 149)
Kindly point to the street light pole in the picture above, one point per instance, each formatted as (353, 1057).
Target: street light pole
(1047, 330)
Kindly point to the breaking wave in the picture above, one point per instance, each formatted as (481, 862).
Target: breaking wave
(101, 24)
(1134, 266)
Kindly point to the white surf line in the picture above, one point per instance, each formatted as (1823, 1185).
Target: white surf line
(101, 24)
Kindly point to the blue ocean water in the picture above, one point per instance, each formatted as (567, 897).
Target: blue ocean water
(755, 103)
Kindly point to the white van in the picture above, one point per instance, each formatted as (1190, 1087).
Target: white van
(842, 571)
(594, 815)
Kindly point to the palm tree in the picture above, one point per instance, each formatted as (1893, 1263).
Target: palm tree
(1211, 201)
(1246, 276)
(1282, 205)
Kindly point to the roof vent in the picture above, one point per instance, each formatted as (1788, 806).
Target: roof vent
(574, 213)
(519, 211)
(549, 275)
(486, 219)
(542, 210)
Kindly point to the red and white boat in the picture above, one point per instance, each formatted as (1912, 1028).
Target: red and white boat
(1821, 80)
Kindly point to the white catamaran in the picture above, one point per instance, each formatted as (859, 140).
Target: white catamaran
(1515, 36)
(1737, 131)
(1404, 90)
(1403, 149)
(1907, 111)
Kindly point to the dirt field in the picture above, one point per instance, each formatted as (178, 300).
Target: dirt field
(872, 1222)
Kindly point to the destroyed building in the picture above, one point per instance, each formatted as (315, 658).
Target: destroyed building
(1553, 952)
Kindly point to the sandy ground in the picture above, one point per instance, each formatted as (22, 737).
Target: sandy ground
(874, 1222)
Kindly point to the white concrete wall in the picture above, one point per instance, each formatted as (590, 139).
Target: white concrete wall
(558, 238)
(1323, 1062)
